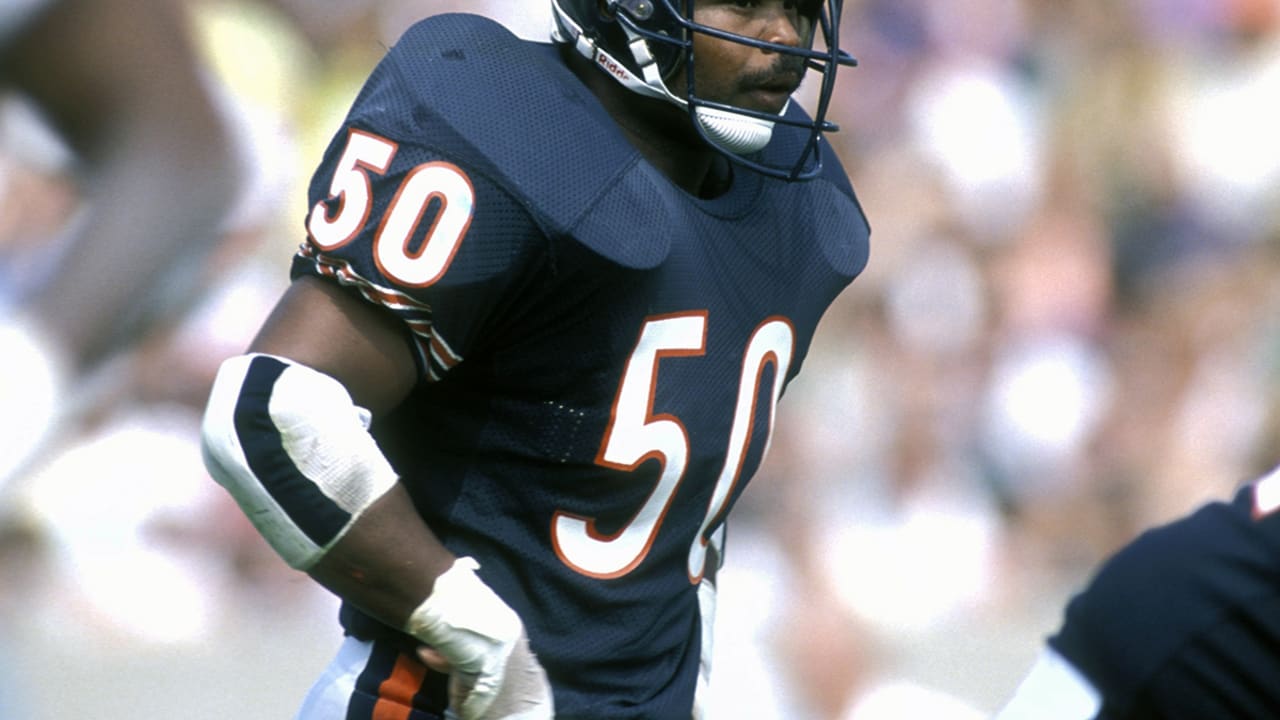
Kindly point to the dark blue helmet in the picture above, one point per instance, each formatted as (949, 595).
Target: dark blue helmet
(645, 44)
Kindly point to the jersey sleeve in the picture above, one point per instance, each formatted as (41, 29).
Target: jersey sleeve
(404, 214)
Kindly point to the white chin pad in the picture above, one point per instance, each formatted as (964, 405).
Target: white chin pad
(738, 134)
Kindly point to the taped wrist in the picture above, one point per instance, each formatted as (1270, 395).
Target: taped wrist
(466, 621)
(294, 451)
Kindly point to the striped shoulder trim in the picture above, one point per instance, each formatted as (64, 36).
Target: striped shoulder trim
(434, 352)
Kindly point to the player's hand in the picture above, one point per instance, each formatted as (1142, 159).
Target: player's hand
(475, 637)
(524, 693)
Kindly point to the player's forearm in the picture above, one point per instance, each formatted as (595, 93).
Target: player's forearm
(386, 562)
(392, 566)
(295, 453)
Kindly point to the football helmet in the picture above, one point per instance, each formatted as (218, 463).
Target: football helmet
(644, 44)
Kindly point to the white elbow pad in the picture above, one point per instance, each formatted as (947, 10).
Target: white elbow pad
(294, 451)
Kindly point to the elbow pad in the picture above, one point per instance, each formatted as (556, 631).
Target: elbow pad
(294, 451)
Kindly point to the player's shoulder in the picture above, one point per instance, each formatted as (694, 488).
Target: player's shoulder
(827, 203)
(1173, 584)
(1226, 547)
(461, 42)
(840, 218)
(469, 72)
(1156, 587)
(511, 109)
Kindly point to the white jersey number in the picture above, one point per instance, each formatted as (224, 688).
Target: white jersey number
(635, 434)
(439, 185)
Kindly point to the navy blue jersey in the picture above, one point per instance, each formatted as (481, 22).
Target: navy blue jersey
(600, 352)
(1184, 622)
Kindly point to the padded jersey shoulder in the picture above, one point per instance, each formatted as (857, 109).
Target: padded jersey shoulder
(510, 108)
(838, 221)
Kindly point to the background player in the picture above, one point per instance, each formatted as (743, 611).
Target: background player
(568, 346)
(119, 83)
(1184, 622)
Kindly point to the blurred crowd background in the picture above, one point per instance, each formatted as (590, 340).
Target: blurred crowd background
(1069, 331)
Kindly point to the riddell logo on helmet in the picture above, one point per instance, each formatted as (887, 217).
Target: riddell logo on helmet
(613, 66)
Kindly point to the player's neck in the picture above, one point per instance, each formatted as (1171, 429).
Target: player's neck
(661, 132)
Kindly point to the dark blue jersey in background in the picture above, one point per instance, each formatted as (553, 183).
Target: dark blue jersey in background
(1183, 623)
(600, 352)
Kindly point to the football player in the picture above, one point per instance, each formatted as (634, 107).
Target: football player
(549, 298)
(117, 81)
(1181, 624)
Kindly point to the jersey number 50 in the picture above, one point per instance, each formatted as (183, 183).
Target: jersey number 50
(635, 435)
(434, 184)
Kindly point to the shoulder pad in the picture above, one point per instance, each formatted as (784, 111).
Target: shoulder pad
(514, 107)
(828, 202)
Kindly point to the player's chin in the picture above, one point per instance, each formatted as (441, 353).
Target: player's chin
(766, 100)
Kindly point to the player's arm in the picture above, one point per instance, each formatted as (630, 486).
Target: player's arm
(387, 559)
(286, 433)
(121, 83)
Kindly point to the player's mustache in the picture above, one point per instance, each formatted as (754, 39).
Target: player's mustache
(787, 70)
